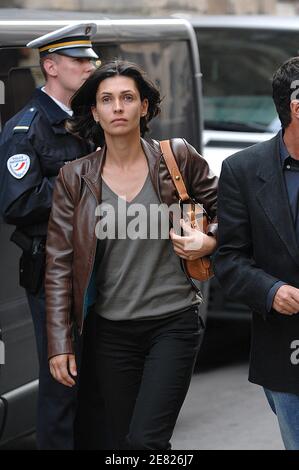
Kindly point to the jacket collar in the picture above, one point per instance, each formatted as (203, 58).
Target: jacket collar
(53, 112)
(93, 178)
(270, 163)
(272, 195)
(283, 151)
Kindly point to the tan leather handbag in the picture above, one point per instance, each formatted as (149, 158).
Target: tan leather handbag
(200, 268)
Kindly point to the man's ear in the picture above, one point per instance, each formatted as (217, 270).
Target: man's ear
(50, 67)
(294, 107)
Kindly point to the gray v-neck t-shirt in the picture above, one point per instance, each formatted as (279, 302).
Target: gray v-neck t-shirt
(137, 278)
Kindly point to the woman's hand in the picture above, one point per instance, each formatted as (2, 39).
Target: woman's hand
(194, 244)
(62, 368)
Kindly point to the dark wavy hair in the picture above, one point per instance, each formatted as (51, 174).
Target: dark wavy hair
(285, 88)
(82, 123)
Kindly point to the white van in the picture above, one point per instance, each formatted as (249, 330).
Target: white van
(167, 50)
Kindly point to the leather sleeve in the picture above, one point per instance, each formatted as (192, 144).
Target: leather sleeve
(204, 186)
(58, 280)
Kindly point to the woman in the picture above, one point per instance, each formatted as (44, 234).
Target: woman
(98, 254)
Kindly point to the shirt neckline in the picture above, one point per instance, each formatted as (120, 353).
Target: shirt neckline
(116, 196)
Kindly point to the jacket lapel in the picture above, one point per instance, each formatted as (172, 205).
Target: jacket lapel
(272, 196)
(153, 154)
(92, 177)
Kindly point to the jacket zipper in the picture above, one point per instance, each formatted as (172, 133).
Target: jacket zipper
(93, 257)
(158, 188)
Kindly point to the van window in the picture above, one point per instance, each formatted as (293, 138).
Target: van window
(237, 70)
(168, 64)
(21, 74)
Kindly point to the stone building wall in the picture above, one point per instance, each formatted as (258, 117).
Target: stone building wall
(164, 7)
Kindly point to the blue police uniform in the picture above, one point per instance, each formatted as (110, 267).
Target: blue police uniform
(34, 145)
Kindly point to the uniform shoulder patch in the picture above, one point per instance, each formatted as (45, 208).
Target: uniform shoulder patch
(18, 165)
(25, 122)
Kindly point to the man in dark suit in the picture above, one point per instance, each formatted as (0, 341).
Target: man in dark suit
(257, 260)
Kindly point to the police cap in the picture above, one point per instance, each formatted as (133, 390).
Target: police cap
(73, 41)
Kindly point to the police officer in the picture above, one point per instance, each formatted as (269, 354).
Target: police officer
(34, 146)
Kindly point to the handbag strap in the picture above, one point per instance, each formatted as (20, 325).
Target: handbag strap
(174, 170)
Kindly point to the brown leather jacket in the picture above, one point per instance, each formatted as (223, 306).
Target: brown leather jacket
(71, 240)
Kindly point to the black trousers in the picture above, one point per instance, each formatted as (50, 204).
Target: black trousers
(144, 368)
(67, 418)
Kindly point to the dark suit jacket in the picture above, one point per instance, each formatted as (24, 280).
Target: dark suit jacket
(257, 248)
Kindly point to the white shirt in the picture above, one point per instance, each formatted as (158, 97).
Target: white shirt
(59, 103)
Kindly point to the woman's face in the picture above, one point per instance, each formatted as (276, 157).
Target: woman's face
(118, 106)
